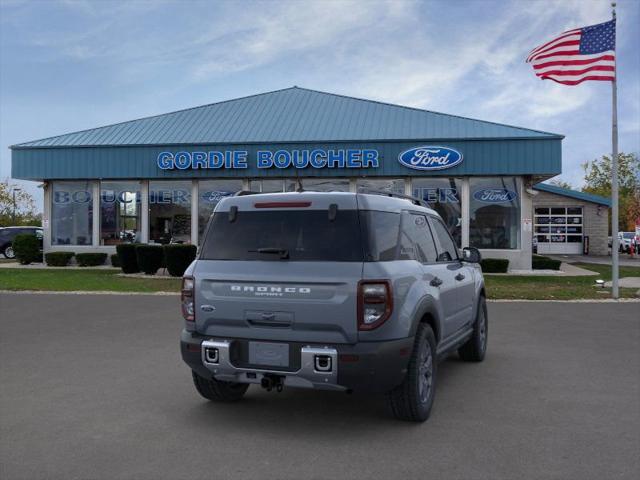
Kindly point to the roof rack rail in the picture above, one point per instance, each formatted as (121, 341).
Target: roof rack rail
(242, 193)
(414, 200)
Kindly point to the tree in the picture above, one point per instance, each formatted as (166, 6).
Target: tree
(597, 179)
(25, 207)
(558, 182)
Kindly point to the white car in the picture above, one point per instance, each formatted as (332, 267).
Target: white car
(625, 239)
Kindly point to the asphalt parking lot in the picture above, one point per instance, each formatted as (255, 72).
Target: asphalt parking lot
(93, 387)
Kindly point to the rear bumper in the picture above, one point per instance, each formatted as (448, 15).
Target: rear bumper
(362, 367)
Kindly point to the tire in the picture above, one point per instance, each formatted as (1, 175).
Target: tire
(8, 252)
(413, 398)
(475, 348)
(217, 391)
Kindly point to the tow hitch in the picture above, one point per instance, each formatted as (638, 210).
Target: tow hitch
(269, 382)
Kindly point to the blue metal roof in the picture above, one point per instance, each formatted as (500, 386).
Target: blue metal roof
(565, 192)
(289, 116)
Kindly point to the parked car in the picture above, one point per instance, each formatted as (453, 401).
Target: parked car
(625, 239)
(7, 234)
(332, 291)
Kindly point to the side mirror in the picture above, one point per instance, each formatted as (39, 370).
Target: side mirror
(471, 255)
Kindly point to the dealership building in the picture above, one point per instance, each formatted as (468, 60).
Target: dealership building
(157, 180)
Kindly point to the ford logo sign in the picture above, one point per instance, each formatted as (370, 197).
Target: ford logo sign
(430, 158)
(495, 195)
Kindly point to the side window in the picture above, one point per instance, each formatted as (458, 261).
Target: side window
(416, 241)
(447, 250)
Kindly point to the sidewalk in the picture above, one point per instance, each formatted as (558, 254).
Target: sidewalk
(624, 259)
(566, 270)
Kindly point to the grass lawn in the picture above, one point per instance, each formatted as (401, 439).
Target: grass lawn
(498, 287)
(84, 280)
(557, 288)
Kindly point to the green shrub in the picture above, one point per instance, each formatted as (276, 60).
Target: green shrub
(90, 259)
(58, 259)
(115, 260)
(27, 248)
(494, 265)
(545, 263)
(178, 257)
(149, 258)
(127, 257)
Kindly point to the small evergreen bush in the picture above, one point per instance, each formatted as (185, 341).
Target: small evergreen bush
(149, 258)
(27, 248)
(544, 263)
(494, 265)
(90, 259)
(115, 260)
(127, 257)
(58, 259)
(178, 257)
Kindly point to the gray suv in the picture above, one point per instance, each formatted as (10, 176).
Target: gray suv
(333, 291)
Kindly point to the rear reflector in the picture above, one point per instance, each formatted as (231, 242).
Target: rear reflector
(282, 204)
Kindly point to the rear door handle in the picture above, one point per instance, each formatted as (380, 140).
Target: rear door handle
(436, 282)
(459, 277)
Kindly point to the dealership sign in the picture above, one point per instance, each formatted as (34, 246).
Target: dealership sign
(495, 195)
(430, 158)
(264, 159)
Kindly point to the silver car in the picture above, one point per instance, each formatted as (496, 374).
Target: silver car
(331, 291)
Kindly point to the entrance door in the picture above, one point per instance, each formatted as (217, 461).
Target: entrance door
(558, 230)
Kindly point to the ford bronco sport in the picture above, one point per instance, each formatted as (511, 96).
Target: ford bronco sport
(333, 291)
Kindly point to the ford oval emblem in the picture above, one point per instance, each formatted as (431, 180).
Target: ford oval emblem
(430, 158)
(495, 195)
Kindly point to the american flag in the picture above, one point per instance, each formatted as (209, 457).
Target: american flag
(587, 53)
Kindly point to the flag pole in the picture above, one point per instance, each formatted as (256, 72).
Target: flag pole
(614, 177)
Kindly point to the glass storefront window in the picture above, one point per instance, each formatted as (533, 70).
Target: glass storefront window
(119, 212)
(170, 212)
(267, 186)
(444, 196)
(395, 185)
(210, 192)
(320, 184)
(72, 213)
(494, 211)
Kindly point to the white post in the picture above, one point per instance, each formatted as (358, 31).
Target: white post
(194, 211)
(95, 236)
(144, 211)
(614, 179)
(465, 201)
(46, 217)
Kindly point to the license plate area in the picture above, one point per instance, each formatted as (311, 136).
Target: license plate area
(269, 354)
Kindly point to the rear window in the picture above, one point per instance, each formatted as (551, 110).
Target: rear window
(290, 235)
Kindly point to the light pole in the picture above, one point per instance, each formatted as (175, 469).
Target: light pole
(14, 203)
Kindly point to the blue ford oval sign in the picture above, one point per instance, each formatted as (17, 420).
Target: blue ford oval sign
(495, 195)
(430, 158)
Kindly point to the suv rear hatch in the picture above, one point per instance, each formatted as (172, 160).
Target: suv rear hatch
(281, 267)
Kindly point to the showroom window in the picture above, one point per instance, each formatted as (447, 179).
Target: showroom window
(444, 196)
(494, 213)
(267, 185)
(210, 192)
(119, 212)
(320, 184)
(72, 213)
(170, 212)
(395, 185)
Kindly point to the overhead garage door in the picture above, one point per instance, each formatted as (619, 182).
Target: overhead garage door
(558, 229)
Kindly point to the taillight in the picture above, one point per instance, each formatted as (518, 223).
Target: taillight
(186, 298)
(375, 303)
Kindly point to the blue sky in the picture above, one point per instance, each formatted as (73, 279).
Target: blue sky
(72, 65)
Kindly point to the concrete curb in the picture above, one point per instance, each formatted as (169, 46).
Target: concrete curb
(76, 292)
(578, 300)
(575, 300)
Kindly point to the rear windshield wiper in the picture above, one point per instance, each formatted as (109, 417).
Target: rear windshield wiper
(283, 252)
